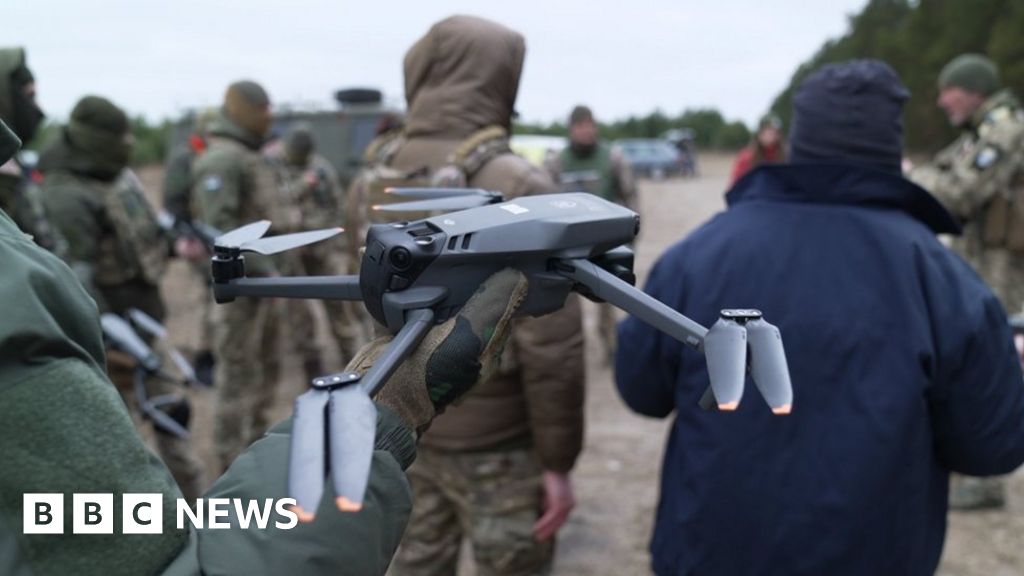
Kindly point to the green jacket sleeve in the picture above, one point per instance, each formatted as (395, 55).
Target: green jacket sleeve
(334, 543)
(65, 428)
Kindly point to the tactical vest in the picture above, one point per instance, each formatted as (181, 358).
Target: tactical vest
(591, 174)
(370, 186)
(136, 247)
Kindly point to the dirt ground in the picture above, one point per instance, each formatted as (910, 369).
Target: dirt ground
(617, 476)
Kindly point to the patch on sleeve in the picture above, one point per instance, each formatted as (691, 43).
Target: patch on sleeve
(213, 183)
(985, 158)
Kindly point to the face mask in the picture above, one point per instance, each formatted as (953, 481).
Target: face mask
(26, 115)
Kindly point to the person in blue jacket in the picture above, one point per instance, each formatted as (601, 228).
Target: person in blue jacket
(902, 361)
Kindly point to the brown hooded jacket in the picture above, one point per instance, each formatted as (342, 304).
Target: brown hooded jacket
(460, 78)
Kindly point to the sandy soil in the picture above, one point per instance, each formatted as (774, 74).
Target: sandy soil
(617, 476)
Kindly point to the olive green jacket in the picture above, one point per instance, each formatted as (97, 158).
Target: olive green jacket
(66, 431)
(233, 185)
(113, 236)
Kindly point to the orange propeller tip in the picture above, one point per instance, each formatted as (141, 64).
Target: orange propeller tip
(304, 517)
(782, 410)
(346, 505)
(375, 207)
(729, 406)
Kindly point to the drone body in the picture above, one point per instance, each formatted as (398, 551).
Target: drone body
(417, 274)
(439, 262)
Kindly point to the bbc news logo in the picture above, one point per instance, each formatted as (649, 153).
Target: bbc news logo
(144, 514)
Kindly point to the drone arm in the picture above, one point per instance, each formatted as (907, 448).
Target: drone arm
(610, 288)
(316, 287)
(405, 342)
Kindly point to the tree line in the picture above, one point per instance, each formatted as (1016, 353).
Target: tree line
(711, 129)
(917, 38)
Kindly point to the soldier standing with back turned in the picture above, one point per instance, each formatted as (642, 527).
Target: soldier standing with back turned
(980, 179)
(310, 184)
(116, 247)
(233, 185)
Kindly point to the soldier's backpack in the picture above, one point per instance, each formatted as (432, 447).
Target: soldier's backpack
(369, 187)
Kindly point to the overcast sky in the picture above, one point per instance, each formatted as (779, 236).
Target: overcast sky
(158, 58)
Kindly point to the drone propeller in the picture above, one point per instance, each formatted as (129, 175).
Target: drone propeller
(340, 406)
(157, 330)
(768, 365)
(275, 244)
(440, 199)
(249, 238)
(243, 235)
(440, 204)
(726, 348)
(435, 193)
(123, 336)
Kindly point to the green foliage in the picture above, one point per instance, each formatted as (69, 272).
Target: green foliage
(711, 129)
(150, 141)
(917, 39)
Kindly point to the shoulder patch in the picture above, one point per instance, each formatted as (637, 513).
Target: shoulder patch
(986, 157)
(212, 183)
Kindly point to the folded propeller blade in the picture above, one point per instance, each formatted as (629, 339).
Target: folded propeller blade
(239, 236)
(275, 244)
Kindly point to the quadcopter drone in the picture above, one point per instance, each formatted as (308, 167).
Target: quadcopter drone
(120, 333)
(417, 274)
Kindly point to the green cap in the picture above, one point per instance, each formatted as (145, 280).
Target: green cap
(972, 72)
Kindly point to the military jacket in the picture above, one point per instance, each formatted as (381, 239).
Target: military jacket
(980, 178)
(112, 232)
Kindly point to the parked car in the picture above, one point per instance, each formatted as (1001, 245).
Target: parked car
(651, 157)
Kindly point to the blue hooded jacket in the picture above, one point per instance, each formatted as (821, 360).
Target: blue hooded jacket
(903, 369)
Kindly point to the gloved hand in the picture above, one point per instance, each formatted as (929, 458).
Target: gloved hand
(453, 356)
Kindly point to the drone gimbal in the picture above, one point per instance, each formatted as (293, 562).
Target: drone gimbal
(417, 274)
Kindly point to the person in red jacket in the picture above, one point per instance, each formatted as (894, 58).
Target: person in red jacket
(766, 146)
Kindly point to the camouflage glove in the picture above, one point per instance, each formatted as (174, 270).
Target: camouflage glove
(453, 356)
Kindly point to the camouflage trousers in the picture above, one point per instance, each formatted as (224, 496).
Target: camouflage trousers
(246, 373)
(343, 318)
(491, 498)
(606, 324)
(178, 454)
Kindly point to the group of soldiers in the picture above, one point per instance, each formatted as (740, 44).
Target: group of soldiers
(496, 468)
(486, 467)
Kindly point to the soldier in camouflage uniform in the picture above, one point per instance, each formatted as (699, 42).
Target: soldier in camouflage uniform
(177, 200)
(980, 179)
(233, 185)
(309, 183)
(115, 246)
(592, 166)
(19, 197)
